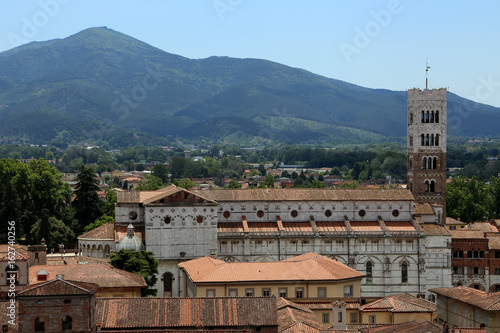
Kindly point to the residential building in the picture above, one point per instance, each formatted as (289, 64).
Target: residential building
(468, 307)
(309, 275)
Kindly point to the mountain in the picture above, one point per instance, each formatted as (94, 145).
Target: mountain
(100, 82)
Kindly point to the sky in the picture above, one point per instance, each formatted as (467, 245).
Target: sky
(375, 44)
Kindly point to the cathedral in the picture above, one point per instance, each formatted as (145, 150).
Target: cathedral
(395, 237)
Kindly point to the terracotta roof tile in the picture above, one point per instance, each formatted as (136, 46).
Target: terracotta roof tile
(309, 266)
(104, 275)
(423, 209)
(435, 229)
(22, 249)
(290, 314)
(400, 303)
(408, 327)
(450, 220)
(494, 242)
(481, 299)
(105, 231)
(152, 312)
(300, 194)
(5, 311)
(59, 287)
(331, 226)
(466, 234)
(300, 327)
(364, 226)
(399, 226)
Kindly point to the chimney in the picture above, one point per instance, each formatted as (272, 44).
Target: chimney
(60, 276)
(42, 241)
(213, 254)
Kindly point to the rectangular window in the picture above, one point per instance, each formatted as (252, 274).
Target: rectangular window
(266, 292)
(210, 292)
(282, 292)
(233, 292)
(411, 141)
(455, 270)
(326, 318)
(354, 317)
(347, 291)
(372, 320)
(497, 254)
(321, 292)
(299, 292)
(475, 270)
(249, 292)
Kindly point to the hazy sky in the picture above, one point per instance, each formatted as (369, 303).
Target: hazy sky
(376, 44)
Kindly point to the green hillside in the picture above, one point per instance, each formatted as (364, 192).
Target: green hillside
(102, 76)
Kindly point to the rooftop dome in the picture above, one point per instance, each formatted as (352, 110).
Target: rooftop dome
(130, 241)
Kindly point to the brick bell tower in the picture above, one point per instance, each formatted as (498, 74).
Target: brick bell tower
(427, 146)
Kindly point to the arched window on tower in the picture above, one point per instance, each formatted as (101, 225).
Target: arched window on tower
(432, 116)
(369, 271)
(437, 116)
(422, 120)
(425, 163)
(404, 272)
(427, 140)
(437, 140)
(432, 186)
(427, 117)
(434, 162)
(427, 185)
(422, 143)
(429, 163)
(432, 140)
(411, 118)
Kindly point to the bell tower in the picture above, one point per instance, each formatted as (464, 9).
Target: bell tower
(426, 146)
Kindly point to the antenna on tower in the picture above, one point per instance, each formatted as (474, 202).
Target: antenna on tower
(426, 74)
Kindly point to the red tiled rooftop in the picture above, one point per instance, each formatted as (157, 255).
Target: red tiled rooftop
(399, 226)
(330, 226)
(152, 312)
(262, 227)
(481, 299)
(229, 227)
(435, 229)
(365, 226)
(297, 226)
(423, 209)
(59, 287)
(306, 267)
(400, 303)
(103, 275)
(105, 231)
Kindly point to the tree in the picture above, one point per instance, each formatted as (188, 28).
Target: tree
(88, 207)
(349, 185)
(467, 199)
(109, 207)
(139, 262)
(54, 232)
(233, 184)
(100, 221)
(267, 182)
(151, 183)
(161, 171)
(177, 166)
(185, 183)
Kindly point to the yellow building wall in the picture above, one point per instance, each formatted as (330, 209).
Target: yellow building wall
(319, 314)
(412, 316)
(382, 317)
(464, 315)
(310, 290)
